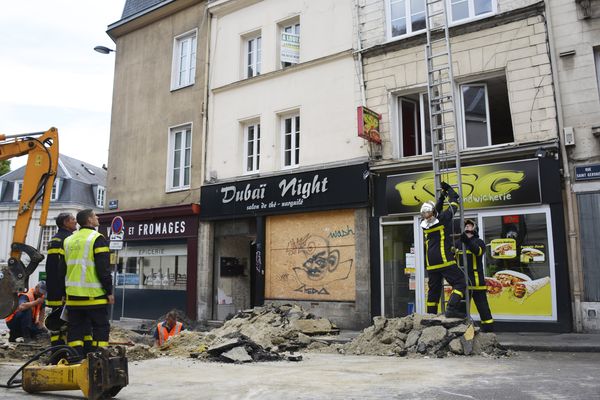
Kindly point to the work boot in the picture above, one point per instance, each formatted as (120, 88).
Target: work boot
(487, 328)
(452, 312)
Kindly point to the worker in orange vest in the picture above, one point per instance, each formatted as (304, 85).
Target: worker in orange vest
(28, 319)
(168, 328)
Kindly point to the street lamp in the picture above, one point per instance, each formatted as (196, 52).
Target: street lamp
(103, 49)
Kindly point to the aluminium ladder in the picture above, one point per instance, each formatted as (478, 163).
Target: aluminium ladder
(445, 140)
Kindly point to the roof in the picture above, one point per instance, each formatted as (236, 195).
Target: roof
(133, 7)
(69, 168)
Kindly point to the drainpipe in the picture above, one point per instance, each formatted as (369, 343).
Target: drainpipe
(361, 78)
(572, 248)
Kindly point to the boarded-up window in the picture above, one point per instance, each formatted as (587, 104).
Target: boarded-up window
(589, 226)
(311, 256)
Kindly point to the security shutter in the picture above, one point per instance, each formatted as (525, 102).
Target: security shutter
(589, 227)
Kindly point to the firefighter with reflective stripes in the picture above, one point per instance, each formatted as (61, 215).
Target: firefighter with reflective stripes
(66, 224)
(88, 283)
(167, 329)
(440, 261)
(475, 249)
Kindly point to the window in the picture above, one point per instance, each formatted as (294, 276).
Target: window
(291, 141)
(180, 148)
(290, 45)
(55, 190)
(597, 60)
(466, 9)
(253, 56)
(17, 189)
(47, 232)
(413, 123)
(405, 17)
(486, 113)
(100, 196)
(184, 60)
(252, 147)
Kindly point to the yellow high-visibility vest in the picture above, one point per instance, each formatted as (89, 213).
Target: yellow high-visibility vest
(82, 279)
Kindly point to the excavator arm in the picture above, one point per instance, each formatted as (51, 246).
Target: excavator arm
(40, 172)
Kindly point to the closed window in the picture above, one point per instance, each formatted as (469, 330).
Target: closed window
(468, 9)
(55, 190)
(290, 45)
(184, 60)
(100, 196)
(252, 147)
(405, 17)
(47, 232)
(253, 56)
(17, 189)
(486, 113)
(291, 140)
(180, 158)
(413, 123)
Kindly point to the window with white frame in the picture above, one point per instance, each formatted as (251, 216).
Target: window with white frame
(413, 125)
(184, 60)
(468, 9)
(180, 158)
(47, 232)
(289, 53)
(100, 196)
(597, 61)
(405, 17)
(252, 54)
(485, 113)
(17, 190)
(291, 140)
(55, 190)
(252, 147)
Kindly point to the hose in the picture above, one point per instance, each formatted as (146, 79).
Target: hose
(13, 382)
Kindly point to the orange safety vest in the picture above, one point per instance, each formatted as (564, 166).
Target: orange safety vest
(35, 311)
(164, 334)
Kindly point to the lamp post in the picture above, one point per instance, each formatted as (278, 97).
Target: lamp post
(103, 49)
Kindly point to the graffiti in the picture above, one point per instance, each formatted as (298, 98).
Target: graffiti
(340, 233)
(295, 246)
(259, 262)
(283, 277)
(321, 266)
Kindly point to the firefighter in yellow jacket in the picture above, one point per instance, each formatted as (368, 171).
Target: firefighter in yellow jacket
(439, 253)
(88, 283)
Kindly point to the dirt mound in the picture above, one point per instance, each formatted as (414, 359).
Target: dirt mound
(429, 335)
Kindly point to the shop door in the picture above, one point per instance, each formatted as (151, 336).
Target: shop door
(399, 269)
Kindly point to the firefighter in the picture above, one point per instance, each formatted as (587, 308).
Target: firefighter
(27, 321)
(439, 253)
(88, 283)
(475, 249)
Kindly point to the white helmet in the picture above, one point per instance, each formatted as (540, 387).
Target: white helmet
(428, 207)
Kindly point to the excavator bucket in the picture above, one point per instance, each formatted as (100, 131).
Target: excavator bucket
(9, 300)
(100, 376)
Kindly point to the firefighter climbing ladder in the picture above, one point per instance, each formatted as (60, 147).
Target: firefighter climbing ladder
(445, 141)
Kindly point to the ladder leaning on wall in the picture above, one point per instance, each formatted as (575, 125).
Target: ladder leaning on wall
(445, 140)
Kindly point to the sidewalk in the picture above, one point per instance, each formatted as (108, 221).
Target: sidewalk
(542, 341)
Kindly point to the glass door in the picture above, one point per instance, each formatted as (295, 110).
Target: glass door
(399, 269)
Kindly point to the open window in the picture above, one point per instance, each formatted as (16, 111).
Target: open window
(486, 113)
(289, 42)
(413, 125)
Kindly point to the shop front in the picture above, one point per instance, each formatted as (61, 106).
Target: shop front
(300, 237)
(518, 209)
(156, 267)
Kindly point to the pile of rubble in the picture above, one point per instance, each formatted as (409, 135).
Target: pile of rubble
(423, 335)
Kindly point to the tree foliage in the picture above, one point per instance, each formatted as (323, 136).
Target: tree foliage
(4, 167)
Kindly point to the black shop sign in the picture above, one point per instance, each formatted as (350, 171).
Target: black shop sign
(331, 188)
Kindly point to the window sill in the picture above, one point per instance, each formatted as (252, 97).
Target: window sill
(176, 88)
(178, 189)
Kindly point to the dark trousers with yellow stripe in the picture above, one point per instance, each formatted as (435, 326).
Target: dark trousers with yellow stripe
(483, 308)
(80, 321)
(455, 278)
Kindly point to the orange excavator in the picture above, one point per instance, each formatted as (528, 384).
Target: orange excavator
(102, 374)
(40, 172)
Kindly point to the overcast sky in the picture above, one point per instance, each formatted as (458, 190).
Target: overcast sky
(51, 76)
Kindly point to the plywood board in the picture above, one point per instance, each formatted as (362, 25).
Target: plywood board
(311, 256)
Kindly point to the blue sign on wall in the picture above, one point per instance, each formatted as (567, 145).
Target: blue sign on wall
(587, 172)
(113, 204)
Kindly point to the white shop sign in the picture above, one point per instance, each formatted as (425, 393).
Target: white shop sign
(154, 251)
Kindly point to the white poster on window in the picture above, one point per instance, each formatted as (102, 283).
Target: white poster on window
(290, 48)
